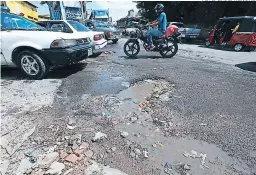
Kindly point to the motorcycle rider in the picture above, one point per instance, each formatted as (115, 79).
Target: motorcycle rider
(161, 21)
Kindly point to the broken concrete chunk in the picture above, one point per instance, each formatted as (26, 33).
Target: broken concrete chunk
(55, 168)
(71, 158)
(48, 159)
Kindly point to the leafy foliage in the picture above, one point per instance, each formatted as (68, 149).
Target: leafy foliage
(198, 12)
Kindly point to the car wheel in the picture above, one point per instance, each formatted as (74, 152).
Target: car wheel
(238, 47)
(32, 64)
(115, 41)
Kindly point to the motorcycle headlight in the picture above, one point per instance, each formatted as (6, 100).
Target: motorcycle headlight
(63, 43)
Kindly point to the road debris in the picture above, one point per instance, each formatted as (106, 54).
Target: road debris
(99, 136)
(124, 134)
(55, 168)
(194, 154)
(48, 160)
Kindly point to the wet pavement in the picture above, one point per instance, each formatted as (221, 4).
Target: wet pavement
(191, 104)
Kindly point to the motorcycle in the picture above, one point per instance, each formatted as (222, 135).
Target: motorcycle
(163, 44)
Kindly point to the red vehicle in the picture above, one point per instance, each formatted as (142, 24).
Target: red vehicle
(236, 32)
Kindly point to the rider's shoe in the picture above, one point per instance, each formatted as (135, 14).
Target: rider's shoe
(151, 47)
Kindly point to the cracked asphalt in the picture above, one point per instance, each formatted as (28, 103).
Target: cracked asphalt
(214, 102)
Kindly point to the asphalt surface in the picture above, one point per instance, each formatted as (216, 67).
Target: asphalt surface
(217, 94)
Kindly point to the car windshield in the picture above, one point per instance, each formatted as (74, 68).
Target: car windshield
(101, 24)
(78, 26)
(15, 22)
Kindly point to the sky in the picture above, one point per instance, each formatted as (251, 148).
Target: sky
(117, 9)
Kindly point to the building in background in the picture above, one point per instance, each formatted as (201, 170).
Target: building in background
(65, 10)
(23, 8)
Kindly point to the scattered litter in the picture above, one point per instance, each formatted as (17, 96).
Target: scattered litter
(145, 153)
(156, 89)
(203, 124)
(193, 154)
(99, 136)
(126, 84)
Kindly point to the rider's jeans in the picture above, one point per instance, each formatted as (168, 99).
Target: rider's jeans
(153, 32)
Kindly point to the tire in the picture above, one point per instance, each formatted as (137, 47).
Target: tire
(133, 44)
(115, 41)
(32, 64)
(238, 47)
(174, 45)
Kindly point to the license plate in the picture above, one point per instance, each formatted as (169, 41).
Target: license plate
(182, 35)
(192, 36)
(89, 52)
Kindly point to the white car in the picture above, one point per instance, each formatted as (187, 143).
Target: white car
(34, 50)
(76, 28)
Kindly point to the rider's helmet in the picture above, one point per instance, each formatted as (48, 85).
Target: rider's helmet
(159, 8)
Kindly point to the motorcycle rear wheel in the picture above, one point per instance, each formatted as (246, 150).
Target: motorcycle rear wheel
(131, 48)
(172, 47)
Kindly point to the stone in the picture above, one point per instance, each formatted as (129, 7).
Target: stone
(137, 151)
(133, 119)
(68, 171)
(72, 158)
(63, 154)
(108, 151)
(48, 160)
(55, 168)
(98, 136)
(132, 154)
(88, 154)
(39, 140)
(75, 146)
(78, 152)
(124, 134)
(84, 145)
(113, 149)
(186, 167)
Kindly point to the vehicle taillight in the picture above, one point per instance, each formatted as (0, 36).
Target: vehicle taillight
(97, 37)
(184, 30)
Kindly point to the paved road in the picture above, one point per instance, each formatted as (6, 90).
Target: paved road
(212, 108)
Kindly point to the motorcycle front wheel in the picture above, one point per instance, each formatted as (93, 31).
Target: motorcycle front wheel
(131, 48)
(170, 49)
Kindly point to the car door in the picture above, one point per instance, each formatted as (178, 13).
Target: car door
(3, 61)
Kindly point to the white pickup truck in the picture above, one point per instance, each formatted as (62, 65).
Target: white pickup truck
(75, 28)
(29, 47)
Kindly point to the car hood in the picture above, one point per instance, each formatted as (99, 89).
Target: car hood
(45, 34)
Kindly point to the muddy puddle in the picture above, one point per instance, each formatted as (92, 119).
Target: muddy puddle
(167, 150)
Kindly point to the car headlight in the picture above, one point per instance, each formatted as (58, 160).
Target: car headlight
(63, 43)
